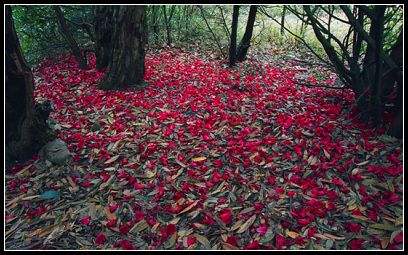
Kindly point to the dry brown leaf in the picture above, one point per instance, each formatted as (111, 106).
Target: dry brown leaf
(247, 224)
(363, 163)
(236, 225)
(109, 215)
(292, 234)
(112, 159)
(227, 246)
(203, 240)
(139, 226)
(198, 159)
(326, 154)
(189, 207)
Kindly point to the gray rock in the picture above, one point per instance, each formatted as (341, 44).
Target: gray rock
(56, 152)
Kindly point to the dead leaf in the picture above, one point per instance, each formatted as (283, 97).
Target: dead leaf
(203, 240)
(363, 163)
(109, 215)
(139, 227)
(292, 234)
(112, 159)
(150, 174)
(236, 225)
(247, 224)
(326, 154)
(227, 246)
(199, 159)
(189, 207)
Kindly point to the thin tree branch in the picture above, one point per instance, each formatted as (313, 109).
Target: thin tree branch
(214, 36)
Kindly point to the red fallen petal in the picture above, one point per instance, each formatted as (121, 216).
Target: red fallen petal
(126, 245)
(357, 212)
(262, 229)
(337, 181)
(191, 240)
(100, 239)
(86, 184)
(139, 215)
(217, 163)
(124, 228)
(138, 186)
(258, 206)
(104, 176)
(356, 244)
(111, 223)
(311, 232)
(113, 207)
(298, 150)
(208, 220)
(280, 190)
(271, 180)
(151, 221)
(353, 227)
(303, 222)
(291, 193)
(372, 215)
(232, 240)
(226, 216)
(254, 245)
(86, 220)
(280, 241)
(300, 240)
(221, 200)
(398, 238)
(169, 230)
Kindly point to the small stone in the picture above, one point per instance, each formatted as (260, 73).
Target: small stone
(56, 152)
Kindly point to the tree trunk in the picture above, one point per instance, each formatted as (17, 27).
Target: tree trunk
(246, 39)
(396, 76)
(233, 39)
(154, 24)
(24, 135)
(372, 69)
(126, 67)
(81, 58)
(398, 124)
(167, 19)
(282, 29)
(103, 35)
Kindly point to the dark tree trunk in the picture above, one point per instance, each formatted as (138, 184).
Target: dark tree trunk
(167, 20)
(396, 76)
(24, 135)
(397, 124)
(373, 65)
(396, 55)
(233, 39)
(126, 67)
(103, 35)
(80, 56)
(246, 39)
(282, 29)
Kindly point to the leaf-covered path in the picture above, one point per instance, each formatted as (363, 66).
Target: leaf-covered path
(206, 157)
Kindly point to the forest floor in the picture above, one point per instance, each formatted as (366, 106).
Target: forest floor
(206, 157)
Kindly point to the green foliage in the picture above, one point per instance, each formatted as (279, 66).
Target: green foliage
(393, 25)
(38, 31)
(39, 34)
